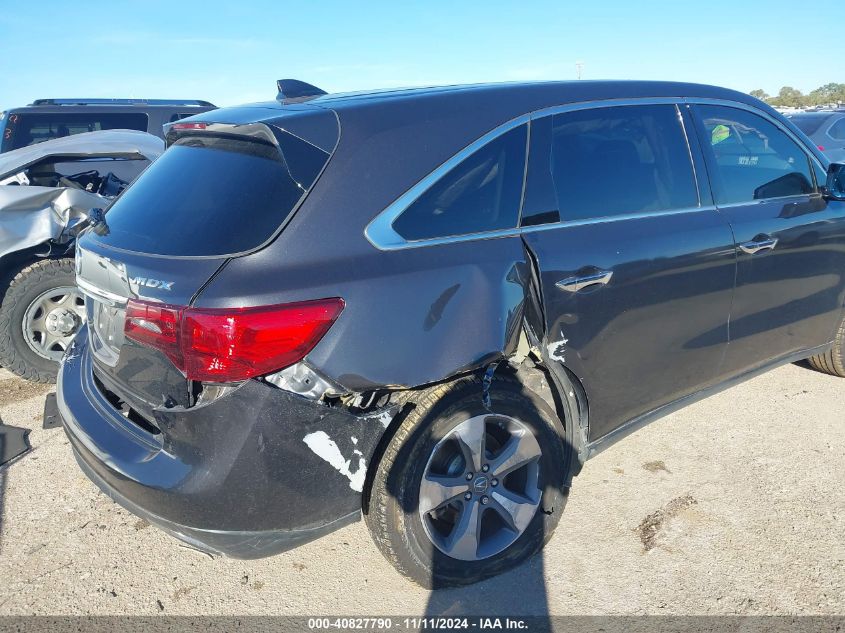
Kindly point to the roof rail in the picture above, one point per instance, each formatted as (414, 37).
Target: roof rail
(164, 102)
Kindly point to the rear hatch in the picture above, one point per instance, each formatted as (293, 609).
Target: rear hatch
(221, 190)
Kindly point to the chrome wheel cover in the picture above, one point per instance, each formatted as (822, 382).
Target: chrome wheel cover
(481, 487)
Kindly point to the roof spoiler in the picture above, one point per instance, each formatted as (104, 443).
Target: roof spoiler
(293, 89)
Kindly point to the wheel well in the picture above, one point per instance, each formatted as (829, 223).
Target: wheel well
(566, 396)
(12, 263)
(534, 377)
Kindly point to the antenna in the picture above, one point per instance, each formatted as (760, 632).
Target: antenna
(578, 67)
(294, 89)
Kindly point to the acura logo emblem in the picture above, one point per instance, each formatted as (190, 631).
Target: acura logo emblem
(480, 484)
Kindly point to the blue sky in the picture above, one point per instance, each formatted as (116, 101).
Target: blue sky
(233, 52)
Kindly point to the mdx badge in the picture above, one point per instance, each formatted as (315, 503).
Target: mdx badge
(150, 283)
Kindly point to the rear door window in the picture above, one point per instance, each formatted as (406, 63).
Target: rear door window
(29, 128)
(750, 158)
(480, 194)
(621, 160)
(213, 195)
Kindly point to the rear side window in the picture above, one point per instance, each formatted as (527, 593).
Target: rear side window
(480, 194)
(620, 160)
(837, 130)
(750, 158)
(29, 128)
(211, 195)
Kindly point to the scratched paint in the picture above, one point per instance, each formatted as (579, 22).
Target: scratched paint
(384, 417)
(557, 350)
(326, 449)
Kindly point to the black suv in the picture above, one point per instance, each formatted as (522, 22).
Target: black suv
(431, 306)
(46, 119)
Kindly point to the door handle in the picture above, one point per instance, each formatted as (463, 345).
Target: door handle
(574, 284)
(759, 243)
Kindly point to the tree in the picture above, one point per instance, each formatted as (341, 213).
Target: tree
(829, 93)
(789, 97)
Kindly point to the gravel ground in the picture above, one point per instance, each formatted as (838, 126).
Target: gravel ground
(734, 505)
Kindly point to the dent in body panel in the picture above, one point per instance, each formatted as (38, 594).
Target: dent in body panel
(235, 462)
(437, 326)
(282, 444)
(406, 327)
(455, 318)
(411, 318)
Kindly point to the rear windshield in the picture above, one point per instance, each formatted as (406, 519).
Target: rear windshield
(212, 195)
(809, 123)
(29, 128)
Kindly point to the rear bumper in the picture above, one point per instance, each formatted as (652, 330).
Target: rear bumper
(235, 476)
(236, 544)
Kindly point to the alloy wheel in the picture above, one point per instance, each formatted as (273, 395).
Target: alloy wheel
(481, 487)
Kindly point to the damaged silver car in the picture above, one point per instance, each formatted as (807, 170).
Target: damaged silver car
(47, 193)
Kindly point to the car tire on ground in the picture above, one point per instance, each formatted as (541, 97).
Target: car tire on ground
(34, 297)
(434, 443)
(833, 361)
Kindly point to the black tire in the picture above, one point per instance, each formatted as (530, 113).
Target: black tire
(833, 361)
(393, 518)
(25, 286)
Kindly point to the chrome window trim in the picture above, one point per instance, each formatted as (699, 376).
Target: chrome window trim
(639, 215)
(604, 103)
(380, 233)
(795, 197)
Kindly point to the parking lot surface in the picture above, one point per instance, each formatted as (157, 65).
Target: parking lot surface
(733, 505)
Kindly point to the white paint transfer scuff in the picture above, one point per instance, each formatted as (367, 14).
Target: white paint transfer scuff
(557, 350)
(384, 417)
(325, 448)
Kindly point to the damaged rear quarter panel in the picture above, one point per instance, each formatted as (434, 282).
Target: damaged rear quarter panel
(412, 317)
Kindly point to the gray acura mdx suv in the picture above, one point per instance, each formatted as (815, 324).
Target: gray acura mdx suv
(431, 306)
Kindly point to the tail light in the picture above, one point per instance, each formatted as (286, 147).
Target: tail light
(157, 326)
(228, 345)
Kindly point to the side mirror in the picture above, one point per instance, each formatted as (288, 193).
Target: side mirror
(834, 188)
